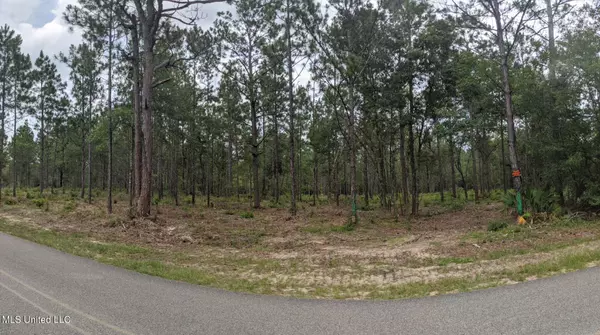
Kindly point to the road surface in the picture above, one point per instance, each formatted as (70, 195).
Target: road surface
(37, 282)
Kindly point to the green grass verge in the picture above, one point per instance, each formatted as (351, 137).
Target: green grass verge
(143, 260)
(176, 266)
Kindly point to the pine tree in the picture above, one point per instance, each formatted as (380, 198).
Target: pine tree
(48, 87)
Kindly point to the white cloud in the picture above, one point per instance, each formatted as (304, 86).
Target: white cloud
(53, 37)
(12, 11)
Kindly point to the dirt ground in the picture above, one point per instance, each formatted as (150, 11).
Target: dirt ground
(313, 251)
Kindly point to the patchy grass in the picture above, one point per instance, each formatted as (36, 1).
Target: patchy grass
(497, 225)
(176, 266)
(326, 229)
(454, 260)
(143, 260)
(314, 254)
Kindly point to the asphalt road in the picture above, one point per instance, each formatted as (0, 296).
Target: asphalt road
(36, 281)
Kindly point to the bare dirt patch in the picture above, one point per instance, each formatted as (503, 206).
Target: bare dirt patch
(308, 253)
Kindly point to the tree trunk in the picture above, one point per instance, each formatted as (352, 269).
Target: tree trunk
(83, 164)
(14, 147)
(137, 112)
(453, 172)
(366, 177)
(230, 165)
(277, 163)
(503, 159)
(264, 163)
(428, 176)
(292, 111)
(209, 175)
(510, 125)
(160, 171)
(411, 152)
(145, 197)
(352, 140)
(132, 187)
(299, 167)
(175, 176)
(3, 131)
(42, 142)
(109, 201)
(90, 148)
(462, 177)
(393, 175)
(474, 157)
(337, 183)
(382, 177)
(441, 170)
(315, 181)
(558, 182)
(404, 169)
(254, 150)
(193, 174)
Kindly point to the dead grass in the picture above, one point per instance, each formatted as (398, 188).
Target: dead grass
(309, 255)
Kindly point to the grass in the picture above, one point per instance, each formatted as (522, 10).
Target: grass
(247, 215)
(497, 225)
(454, 260)
(139, 259)
(315, 254)
(326, 229)
(176, 266)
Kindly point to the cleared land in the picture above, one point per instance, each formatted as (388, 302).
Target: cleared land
(447, 249)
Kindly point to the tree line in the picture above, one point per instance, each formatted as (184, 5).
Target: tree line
(281, 100)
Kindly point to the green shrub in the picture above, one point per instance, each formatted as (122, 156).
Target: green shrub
(509, 199)
(496, 225)
(454, 204)
(343, 229)
(40, 202)
(114, 221)
(557, 210)
(69, 206)
(367, 208)
(350, 224)
(247, 215)
(534, 200)
(10, 201)
(497, 195)
(572, 221)
(539, 201)
(273, 204)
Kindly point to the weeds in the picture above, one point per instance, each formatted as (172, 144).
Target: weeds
(247, 215)
(40, 202)
(10, 201)
(454, 260)
(69, 207)
(496, 225)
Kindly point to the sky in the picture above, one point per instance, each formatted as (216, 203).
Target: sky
(40, 24)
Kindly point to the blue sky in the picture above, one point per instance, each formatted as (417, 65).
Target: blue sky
(43, 13)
